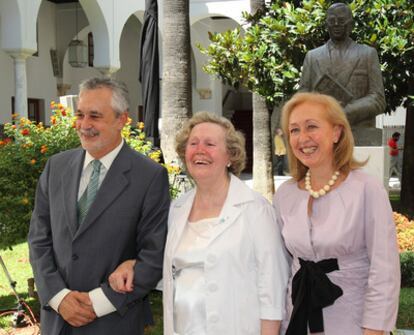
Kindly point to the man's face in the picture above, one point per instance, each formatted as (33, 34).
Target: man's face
(339, 23)
(98, 127)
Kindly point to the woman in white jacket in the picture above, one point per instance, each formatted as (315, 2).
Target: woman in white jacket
(225, 269)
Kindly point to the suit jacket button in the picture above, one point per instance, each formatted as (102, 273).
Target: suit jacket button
(75, 257)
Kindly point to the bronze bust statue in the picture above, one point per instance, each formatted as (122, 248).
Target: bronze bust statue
(350, 72)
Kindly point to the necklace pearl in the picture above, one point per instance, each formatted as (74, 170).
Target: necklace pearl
(323, 190)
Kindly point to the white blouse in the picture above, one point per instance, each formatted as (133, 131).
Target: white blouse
(189, 283)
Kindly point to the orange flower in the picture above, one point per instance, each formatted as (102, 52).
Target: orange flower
(52, 104)
(141, 125)
(33, 161)
(14, 126)
(14, 116)
(63, 112)
(53, 119)
(25, 132)
(74, 124)
(43, 149)
(2, 143)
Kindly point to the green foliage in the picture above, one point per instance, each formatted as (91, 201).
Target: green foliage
(407, 269)
(267, 57)
(23, 155)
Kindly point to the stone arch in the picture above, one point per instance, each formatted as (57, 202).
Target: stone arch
(210, 91)
(129, 56)
(18, 25)
(107, 21)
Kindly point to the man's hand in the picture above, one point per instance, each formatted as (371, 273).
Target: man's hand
(121, 280)
(76, 309)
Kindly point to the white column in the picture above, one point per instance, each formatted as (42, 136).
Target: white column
(108, 71)
(20, 80)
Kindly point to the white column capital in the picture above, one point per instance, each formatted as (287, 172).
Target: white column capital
(108, 71)
(20, 54)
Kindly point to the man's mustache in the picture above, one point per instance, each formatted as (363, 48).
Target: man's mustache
(88, 132)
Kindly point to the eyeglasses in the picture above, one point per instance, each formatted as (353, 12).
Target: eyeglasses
(340, 21)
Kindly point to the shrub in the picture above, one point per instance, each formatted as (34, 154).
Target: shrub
(407, 269)
(23, 155)
(405, 232)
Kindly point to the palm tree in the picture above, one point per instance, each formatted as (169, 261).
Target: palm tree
(262, 148)
(176, 77)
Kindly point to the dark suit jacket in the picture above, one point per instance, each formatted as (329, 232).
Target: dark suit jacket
(127, 220)
(360, 75)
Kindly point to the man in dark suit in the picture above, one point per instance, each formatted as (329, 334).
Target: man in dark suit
(97, 206)
(348, 71)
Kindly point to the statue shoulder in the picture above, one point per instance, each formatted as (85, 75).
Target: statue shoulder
(318, 51)
(366, 49)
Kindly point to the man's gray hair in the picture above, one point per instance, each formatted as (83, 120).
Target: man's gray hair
(119, 90)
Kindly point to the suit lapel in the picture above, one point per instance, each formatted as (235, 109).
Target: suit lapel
(112, 186)
(238, 194)
(352, 57)
(324, 60)
(70, 182)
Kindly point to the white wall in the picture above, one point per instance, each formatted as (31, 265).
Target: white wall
(207, 90)
(41, 84)
(7, 86)
(129, 55)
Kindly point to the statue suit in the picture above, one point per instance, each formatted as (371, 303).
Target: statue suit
(359, 74)
(349, 72)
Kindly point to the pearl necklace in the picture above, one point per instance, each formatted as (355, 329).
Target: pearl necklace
(323, 190)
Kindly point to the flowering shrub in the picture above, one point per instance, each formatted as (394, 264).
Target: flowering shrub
(23, 155)
(405, 232)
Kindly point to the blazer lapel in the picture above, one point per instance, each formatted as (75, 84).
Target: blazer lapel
(179, 217)
(238, 194)
(70, 182)
(352, 57)
(112, 186)
(323, 60)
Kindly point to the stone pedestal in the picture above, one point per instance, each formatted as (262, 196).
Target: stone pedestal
(367, 136)
(378, 164)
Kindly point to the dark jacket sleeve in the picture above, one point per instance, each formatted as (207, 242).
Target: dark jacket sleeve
(150, 241)
(47, 277)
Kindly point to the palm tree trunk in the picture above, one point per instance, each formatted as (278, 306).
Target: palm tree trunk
(176, 78)
(262, 148)
(262, 145)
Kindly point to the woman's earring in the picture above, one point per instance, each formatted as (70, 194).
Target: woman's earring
(228, 164)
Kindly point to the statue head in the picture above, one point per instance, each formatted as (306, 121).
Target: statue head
(339, 22)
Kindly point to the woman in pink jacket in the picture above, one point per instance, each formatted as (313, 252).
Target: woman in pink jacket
(337, 224)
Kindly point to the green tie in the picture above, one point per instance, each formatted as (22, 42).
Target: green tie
(89, 195)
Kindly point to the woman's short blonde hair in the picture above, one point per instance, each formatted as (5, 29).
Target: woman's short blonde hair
(343, 149)
(235, 141)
